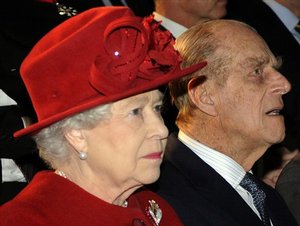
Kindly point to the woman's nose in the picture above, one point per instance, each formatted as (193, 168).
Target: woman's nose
(158, 127)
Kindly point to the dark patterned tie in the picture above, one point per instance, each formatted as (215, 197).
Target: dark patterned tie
(297, 28)
(251, 184)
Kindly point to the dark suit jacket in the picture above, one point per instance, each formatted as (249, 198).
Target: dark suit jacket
(201, 196)
(288, 185)
(282, 43)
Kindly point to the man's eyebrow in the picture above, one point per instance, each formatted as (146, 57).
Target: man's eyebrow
(278, 62)
(255, 61)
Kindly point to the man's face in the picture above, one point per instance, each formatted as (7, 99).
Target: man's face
(212, 9)
(250, 100)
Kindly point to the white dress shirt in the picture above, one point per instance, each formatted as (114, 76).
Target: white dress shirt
(175, 28)
(10, 171)
(289, 19)
(229, 169)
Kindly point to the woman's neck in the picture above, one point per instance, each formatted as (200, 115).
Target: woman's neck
(99, 186)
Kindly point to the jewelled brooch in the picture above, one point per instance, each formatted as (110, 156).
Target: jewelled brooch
(65, 10)
(154, 212)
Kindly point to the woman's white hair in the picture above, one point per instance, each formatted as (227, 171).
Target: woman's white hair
(51, 141)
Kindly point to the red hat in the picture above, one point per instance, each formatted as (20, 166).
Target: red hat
(99, 56)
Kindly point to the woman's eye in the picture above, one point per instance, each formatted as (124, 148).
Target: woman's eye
(136, 111)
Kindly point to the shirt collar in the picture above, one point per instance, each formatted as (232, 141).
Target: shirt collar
(289, 19)
(229, 169)
(5, 99)
(175, 28)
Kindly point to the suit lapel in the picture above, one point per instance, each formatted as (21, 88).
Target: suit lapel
(209, 184)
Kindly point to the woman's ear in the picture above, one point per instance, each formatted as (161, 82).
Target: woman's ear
(200, 96)
(76, 139)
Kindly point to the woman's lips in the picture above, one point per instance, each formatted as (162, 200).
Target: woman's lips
(154, 155)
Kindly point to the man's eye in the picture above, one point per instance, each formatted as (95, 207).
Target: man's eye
(258, 72)
(158, 108)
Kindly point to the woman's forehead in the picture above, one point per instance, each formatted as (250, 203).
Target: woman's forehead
(150, 96)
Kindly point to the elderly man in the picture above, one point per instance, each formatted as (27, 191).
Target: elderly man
(229, 114)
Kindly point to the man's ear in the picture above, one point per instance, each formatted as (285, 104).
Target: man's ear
(200, 96)
(76, 139)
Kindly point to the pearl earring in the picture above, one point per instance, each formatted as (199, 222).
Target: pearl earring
(82, 155)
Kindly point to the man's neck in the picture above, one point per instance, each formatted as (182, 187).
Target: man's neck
(245, 153)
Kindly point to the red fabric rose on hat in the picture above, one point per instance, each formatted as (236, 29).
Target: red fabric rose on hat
(161, 57)
(135, 53)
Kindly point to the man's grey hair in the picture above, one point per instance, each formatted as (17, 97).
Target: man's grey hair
(202, 42)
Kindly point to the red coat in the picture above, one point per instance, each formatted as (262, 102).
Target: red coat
(52, 200)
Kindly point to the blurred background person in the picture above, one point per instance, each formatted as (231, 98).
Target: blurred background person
(178, 15)
(288, 185)
(274, 162)
(99, 124)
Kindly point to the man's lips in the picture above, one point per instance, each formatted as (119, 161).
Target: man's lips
(154, 155)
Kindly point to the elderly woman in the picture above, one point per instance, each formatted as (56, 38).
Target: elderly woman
(93, 81)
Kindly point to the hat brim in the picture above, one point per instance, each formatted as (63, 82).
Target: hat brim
(96, 101)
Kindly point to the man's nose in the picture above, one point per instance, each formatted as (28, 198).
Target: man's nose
(281, 85)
